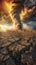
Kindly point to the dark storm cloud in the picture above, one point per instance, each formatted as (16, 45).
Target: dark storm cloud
(26, 2)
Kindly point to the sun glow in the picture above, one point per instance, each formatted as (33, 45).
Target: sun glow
(7, 27)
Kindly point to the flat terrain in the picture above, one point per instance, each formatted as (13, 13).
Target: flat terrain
(18, 47)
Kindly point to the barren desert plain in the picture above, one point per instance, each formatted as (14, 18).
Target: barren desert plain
(18, 47)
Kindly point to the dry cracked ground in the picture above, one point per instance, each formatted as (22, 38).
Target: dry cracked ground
(18, 48)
